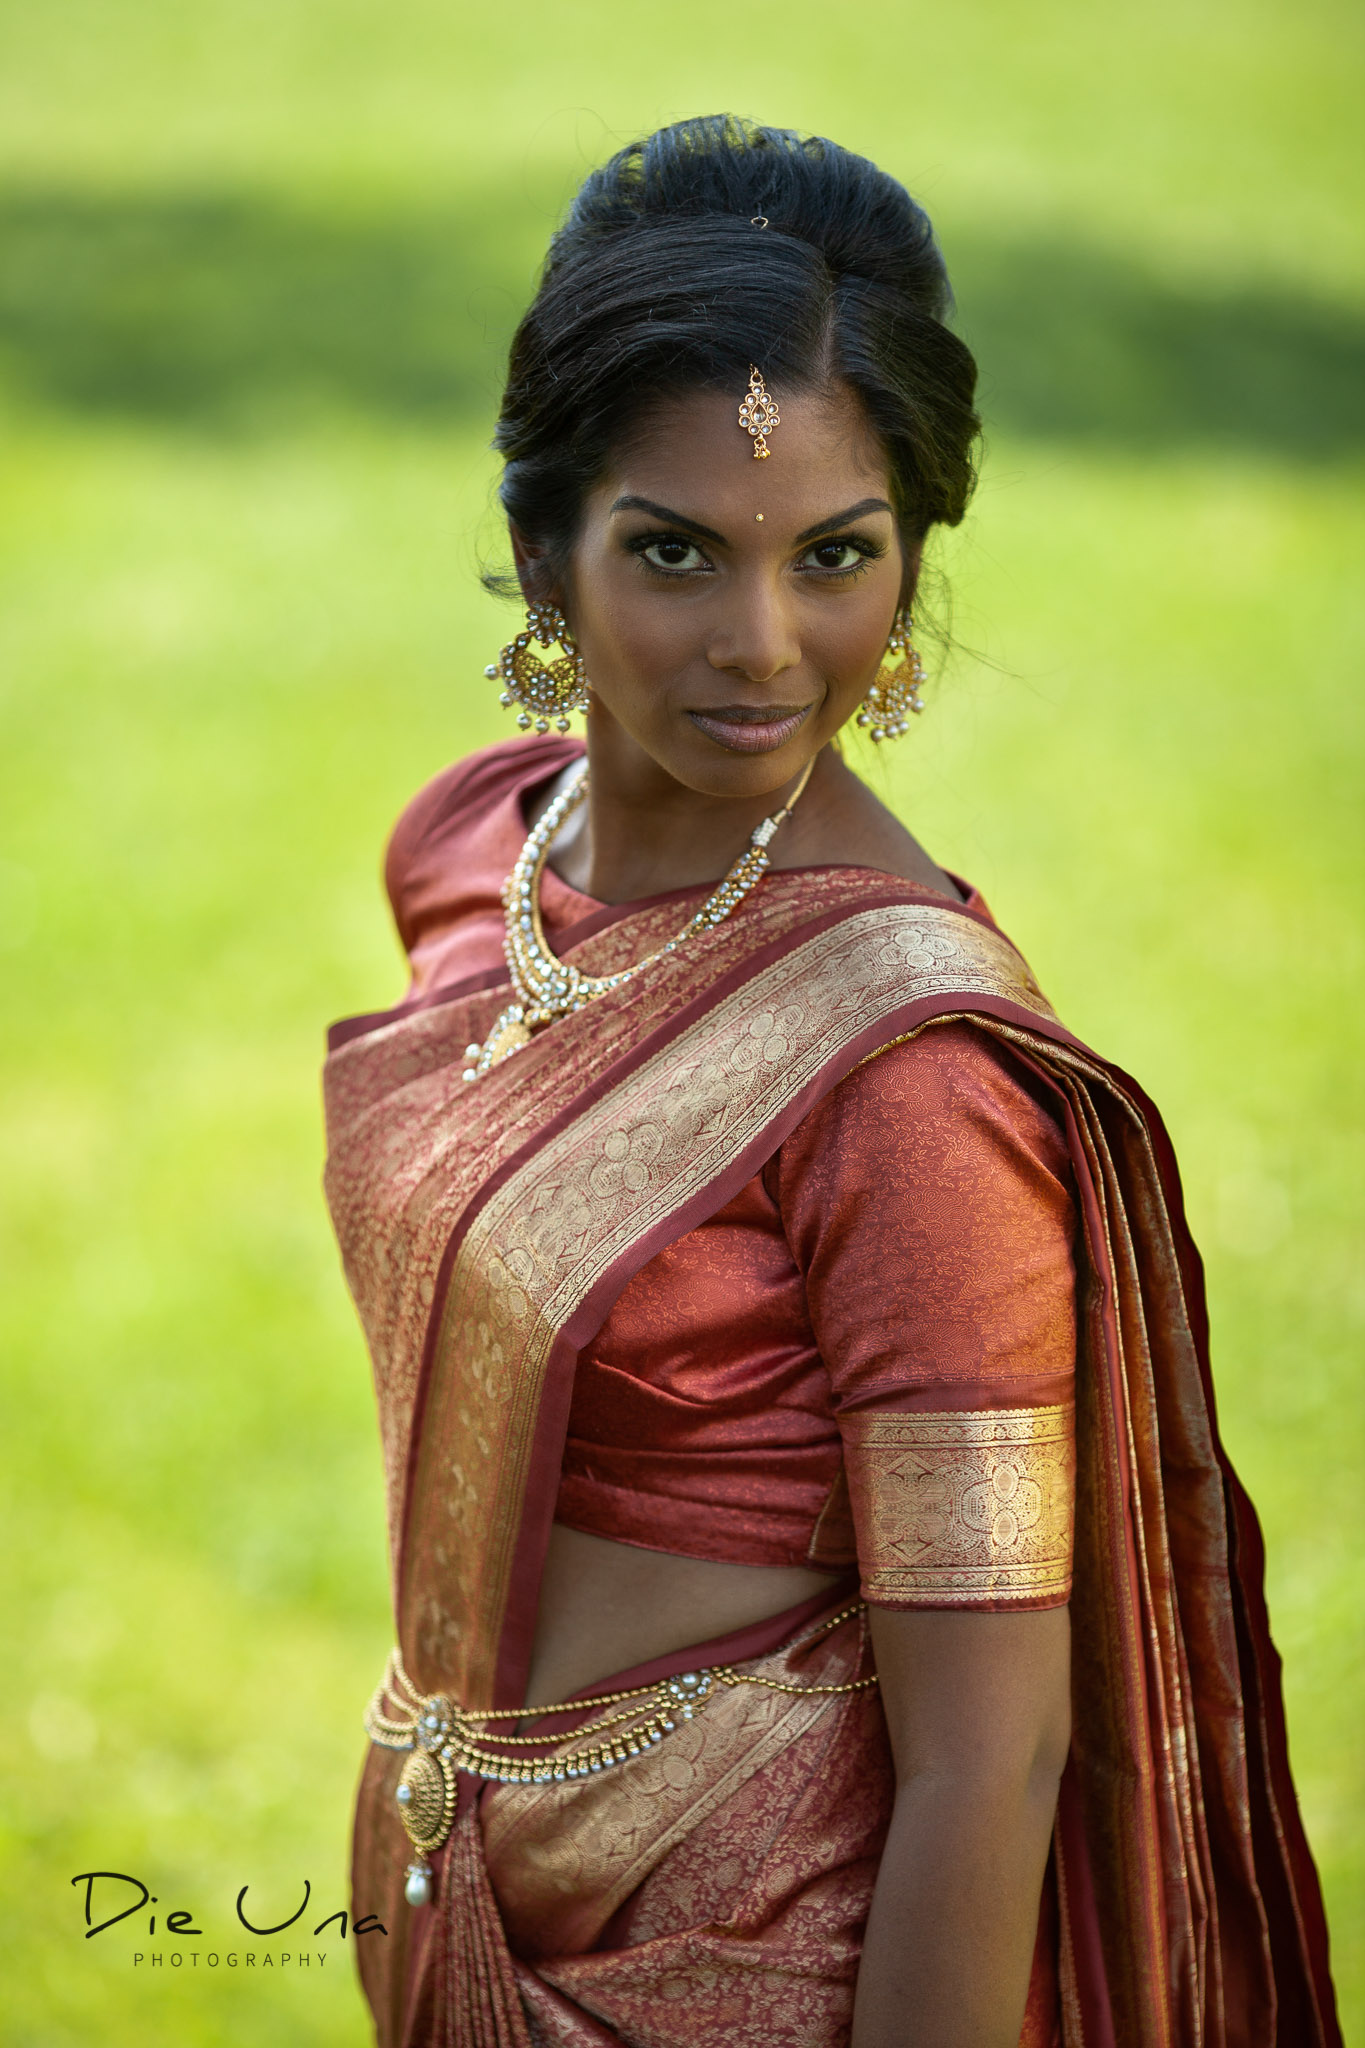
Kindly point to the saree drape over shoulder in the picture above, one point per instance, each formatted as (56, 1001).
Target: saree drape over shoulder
(714, 1889)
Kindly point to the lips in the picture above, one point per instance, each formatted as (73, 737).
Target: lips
(743, 730)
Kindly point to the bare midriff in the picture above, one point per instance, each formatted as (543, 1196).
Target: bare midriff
(606, 1607)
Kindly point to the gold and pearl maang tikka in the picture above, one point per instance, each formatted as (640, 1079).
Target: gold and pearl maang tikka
(896, 690)
(544, 691)
(758, 415)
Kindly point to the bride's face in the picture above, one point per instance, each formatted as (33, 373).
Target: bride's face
(732, 613)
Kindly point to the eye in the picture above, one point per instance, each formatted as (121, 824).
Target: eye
(672, 552)
(838, 556)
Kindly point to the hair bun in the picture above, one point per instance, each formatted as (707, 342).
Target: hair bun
(861, 222)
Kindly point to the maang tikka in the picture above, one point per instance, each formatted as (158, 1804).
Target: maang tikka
(896, 690)
(758, 414)
(544, 690)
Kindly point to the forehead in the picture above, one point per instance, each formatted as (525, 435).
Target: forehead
(692, 455)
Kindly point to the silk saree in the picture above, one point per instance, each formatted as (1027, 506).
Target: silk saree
(715, 1889)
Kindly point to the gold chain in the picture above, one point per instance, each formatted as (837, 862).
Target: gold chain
(546, 987)
(728, 1676)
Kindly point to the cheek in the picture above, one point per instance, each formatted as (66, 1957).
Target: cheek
(849, 649)
(635, 626)
(633, 639)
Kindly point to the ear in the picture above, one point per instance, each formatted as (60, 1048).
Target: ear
(532, 568)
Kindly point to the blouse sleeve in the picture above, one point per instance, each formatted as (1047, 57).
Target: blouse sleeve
(928, 1202)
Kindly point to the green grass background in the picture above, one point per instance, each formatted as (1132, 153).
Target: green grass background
(257, 266)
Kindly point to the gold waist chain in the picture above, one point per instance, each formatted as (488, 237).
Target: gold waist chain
(442, 1738)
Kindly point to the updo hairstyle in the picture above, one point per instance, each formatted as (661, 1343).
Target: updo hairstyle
(658, 283)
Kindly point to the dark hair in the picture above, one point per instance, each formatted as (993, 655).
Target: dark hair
(659, 282)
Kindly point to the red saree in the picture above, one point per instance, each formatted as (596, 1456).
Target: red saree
(715, 1889)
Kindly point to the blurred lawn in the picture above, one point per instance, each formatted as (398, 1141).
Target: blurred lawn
(257, 264)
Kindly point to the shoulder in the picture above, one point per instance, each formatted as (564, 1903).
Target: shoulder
(430, 829)
(961, 1071)
(954, 1093)
(929, 1201)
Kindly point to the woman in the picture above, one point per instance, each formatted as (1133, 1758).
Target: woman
(825, 1612)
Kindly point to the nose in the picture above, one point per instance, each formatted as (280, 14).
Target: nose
(756, 638)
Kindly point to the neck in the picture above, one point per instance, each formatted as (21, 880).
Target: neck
(641, 834)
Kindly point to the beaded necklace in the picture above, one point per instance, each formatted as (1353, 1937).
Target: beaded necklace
(547, 988)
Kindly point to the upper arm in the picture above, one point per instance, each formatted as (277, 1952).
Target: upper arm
(973, 1695)
(929, 1204)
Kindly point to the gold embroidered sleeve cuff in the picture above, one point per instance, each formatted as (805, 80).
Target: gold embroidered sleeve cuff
(963, 1510)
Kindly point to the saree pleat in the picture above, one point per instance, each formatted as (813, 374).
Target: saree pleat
(482, 2001)
(486, 1235)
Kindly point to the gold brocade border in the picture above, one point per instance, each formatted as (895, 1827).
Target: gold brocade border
(963, 1508)
(585, 1197)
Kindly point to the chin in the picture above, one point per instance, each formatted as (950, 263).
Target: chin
(712, 772)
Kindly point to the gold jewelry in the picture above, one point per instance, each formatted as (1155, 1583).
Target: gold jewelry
(758, 415)
(892, 695)
(544, 690)
(442, 1738)
(547, 987)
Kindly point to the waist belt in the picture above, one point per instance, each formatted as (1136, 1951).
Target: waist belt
(443, 1738)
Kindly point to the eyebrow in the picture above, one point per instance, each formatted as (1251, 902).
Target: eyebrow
(863, 506)
(631, 503)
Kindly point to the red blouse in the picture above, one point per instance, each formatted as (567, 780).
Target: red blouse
(908, 1248)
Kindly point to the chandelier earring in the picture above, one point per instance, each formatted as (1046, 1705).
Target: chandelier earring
(544, 691)
(896, 690)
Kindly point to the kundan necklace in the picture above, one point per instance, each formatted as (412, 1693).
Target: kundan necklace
(547, 988)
